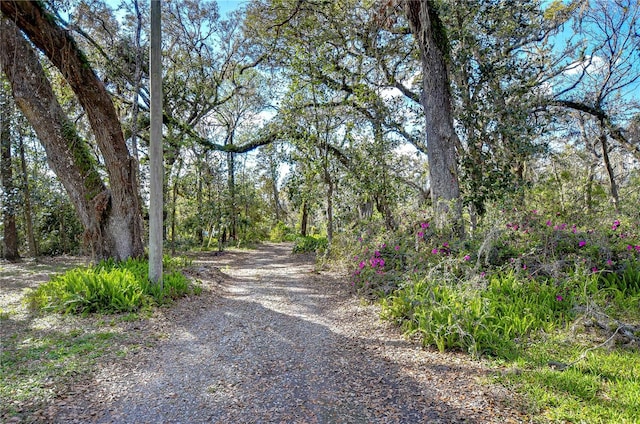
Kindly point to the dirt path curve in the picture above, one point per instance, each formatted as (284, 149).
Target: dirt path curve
(272, 341)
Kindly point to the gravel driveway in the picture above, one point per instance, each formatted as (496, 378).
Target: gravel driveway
(271, 340)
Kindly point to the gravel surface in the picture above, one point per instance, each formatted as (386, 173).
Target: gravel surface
(270, 340)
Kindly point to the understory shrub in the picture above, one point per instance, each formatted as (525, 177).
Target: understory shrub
(310, 244)
(109, 287)
(280, 232)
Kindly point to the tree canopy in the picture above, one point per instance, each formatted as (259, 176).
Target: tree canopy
(317, 114)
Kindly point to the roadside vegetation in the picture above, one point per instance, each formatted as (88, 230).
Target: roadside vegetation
(111, 287)
(552, 303)
(73, 323)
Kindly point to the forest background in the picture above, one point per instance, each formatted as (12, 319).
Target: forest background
(310, 121)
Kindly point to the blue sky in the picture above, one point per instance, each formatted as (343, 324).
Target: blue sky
(226, 6)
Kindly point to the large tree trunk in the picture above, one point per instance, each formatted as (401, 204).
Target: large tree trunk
(67, 154)
(430, 35)
(10, 240)
(120, 220)
(304, 218)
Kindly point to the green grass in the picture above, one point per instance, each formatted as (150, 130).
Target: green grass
(310, 244)
(482, 321)
(32, 366)
(39, 365)
(541, 329)
(603, 387)
(512, 293)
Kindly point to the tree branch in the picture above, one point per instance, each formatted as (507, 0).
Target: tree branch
(614, 131)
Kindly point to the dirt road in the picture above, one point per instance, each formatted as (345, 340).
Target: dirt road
(270, 340)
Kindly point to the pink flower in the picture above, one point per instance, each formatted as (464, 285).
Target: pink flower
(524, 266)
(361, 264)
(609, 262)
(420, 234)
(559, 298)
(397, 248)
(594, 269)
(434, 251)
(482, 274)
(424, 225)
(582, 243)
(467, 257)
(549, 223)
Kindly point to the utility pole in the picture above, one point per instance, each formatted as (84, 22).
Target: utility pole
(155, 148)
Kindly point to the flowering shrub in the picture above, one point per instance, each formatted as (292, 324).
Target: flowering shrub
(480, 294)
(378, 272)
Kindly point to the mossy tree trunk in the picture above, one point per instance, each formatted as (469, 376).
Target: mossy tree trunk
(112, 217)
(430, 35)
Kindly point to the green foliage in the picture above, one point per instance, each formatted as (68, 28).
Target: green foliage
(625, 279)
(310, 244)
(109, 287)
(34, 365)
(538, 246)
(518, 292)
(280, 232)
(484, 320)
(57, 223)
(602, 387)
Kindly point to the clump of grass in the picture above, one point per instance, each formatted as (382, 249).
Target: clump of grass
(109, 287)
(481, 321)
(602, 387)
